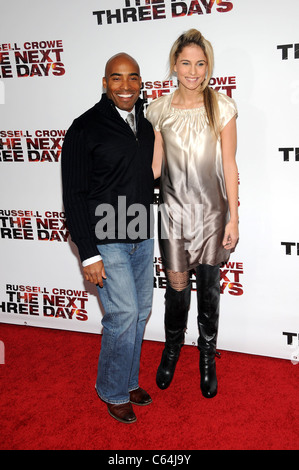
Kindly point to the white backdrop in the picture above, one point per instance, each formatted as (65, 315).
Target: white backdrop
(52, 59)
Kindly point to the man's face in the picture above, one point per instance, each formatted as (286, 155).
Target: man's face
(122, 82)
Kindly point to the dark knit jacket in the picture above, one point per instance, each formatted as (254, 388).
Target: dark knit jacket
(102, 159)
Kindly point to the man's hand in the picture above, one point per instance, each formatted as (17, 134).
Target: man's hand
(95, 273)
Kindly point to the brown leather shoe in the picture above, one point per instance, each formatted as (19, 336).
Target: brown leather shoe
(123, 412)
(140, 397)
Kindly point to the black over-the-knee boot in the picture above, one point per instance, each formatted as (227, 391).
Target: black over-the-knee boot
(208, 299)
(176, 314)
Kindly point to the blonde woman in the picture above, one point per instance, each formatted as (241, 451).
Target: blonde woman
(195, 147)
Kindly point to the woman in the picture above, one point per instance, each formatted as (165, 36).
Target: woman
(195, 146)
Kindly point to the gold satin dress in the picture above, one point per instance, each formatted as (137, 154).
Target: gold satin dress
(193, 207)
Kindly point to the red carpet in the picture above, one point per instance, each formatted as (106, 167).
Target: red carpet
(48, 400)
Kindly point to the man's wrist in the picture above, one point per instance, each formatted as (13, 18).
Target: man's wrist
(91, 260)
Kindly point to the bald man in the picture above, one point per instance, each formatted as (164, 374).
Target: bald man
(108, 189)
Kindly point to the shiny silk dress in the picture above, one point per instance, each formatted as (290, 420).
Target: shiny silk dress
(193, 205)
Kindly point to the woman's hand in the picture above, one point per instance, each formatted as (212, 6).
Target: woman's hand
(231, 235)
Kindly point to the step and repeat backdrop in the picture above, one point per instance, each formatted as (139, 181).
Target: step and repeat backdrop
(52, 59)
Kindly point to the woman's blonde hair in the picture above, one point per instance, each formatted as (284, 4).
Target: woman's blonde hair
(193, 36)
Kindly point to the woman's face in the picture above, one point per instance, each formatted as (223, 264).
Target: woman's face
(191, 67)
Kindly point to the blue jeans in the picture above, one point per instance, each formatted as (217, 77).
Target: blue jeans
(126, 297)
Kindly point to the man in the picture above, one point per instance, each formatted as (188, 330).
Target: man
(107, 180)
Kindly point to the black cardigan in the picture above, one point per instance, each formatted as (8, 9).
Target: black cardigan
(102, 159)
